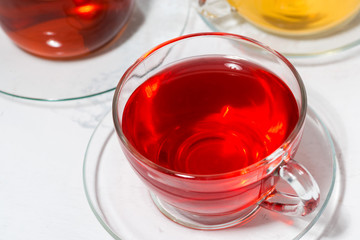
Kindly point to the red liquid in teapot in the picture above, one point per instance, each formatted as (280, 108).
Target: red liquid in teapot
(63, 28)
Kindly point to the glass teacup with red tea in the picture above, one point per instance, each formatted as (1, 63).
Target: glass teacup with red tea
(211, 122)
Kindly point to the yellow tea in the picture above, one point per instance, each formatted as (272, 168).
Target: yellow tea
(296, 17)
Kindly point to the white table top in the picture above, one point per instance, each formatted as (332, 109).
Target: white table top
(42, 148)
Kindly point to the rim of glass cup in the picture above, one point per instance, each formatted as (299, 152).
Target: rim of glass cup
(267, 160)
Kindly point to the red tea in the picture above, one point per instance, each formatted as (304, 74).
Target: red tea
(210, 115)
(63, 28)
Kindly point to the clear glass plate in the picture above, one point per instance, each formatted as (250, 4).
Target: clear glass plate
(226, 20)
(30, 77)
(124, 208)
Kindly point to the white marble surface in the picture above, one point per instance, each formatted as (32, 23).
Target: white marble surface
(42, 146)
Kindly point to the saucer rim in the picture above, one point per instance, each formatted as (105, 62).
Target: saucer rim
(111, 132)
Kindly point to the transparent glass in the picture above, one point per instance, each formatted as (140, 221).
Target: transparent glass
(216, 201)
(122, 205)
(219, 15)
(29, 77)
(290, 17)
(63, 28)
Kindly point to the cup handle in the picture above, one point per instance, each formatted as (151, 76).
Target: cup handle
(302, 182)
(213, 9)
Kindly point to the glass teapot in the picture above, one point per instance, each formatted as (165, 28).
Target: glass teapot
(63, 28)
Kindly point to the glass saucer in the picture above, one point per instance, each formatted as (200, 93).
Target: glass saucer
(124, 208)
(30, 77)
(346, 37)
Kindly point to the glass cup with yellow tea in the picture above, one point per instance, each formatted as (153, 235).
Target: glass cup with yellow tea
(293, 17)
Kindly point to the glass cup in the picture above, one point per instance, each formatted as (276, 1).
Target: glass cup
(211, 200)
(63, 28)
(286, 17)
